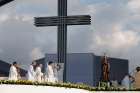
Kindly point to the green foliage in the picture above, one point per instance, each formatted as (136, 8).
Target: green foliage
(66, 85)
(103, 86)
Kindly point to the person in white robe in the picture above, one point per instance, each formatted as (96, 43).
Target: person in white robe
(57, 72)
(13, 74)
(50, 72)
(55, 69)
(126, 82)
(39, 74)
(31, 72)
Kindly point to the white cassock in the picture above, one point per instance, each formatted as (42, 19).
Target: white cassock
(50, 74)
(39, 74)
(56, 75)
(126, 82)
(31, 73)
(13, 74)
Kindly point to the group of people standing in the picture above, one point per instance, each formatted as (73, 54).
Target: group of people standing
(35, 72)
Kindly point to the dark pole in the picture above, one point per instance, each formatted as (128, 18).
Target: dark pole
(62, 36)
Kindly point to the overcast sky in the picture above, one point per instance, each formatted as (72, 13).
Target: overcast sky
(115, 30)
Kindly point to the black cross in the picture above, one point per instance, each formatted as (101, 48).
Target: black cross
(62, 20)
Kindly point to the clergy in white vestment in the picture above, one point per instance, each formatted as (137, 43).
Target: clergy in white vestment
(57, 71)
(31, 72)
(50, 72)
(126, 82)
(38, 72)
(13, 74)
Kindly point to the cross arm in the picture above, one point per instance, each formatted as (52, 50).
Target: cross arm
(68, 20)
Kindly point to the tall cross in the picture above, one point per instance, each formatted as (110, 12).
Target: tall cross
(62, 21)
